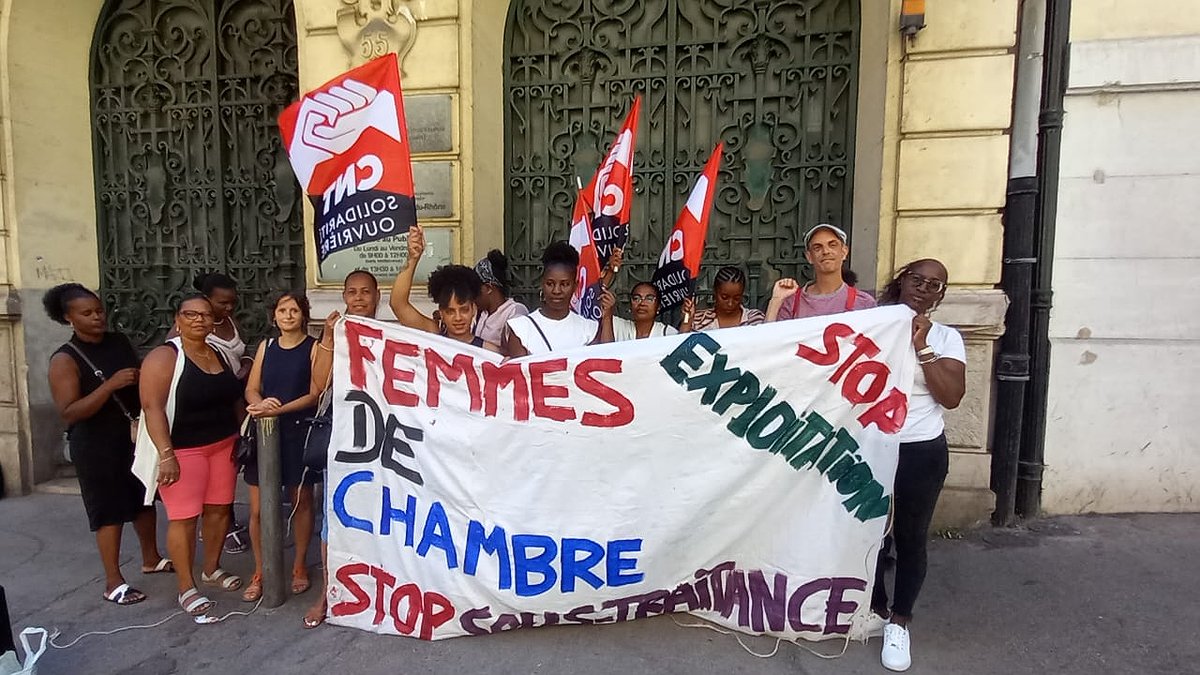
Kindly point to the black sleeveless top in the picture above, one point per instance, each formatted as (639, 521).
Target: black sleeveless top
(113, 353)
(205, 405)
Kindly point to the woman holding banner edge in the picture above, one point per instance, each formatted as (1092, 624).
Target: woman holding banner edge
(924, 457)
(455, 289)
(553, 326)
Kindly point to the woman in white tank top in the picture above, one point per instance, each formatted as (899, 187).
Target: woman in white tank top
(222, 292)
(553, 326)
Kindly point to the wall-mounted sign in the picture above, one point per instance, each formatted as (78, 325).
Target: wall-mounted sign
(385, 258)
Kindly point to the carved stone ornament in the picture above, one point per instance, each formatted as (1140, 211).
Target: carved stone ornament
(369, 29)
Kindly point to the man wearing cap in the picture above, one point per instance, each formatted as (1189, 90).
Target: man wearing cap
(825, 249)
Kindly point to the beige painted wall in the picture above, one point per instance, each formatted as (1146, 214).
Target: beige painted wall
(1113, 19)
(50, 210)
(1120, 433)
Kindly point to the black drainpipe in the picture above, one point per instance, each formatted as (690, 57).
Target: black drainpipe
(1029, 214)
(1054, 86)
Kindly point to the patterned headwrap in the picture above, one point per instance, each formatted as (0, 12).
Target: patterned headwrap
(487, 275)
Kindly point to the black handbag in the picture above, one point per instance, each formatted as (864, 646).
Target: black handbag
(320, 431)
(246, 451)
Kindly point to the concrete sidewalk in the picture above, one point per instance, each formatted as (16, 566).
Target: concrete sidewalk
(1068, 595)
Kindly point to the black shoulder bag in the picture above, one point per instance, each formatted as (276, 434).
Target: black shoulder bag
(320, 430)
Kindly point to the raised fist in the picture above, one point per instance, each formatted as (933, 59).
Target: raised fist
(331, 122)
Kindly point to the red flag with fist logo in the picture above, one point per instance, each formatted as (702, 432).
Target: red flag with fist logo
(586, 301)
(348, 145)
(679, 264)
(609, 195)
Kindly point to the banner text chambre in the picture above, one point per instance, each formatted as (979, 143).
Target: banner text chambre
(515, 389)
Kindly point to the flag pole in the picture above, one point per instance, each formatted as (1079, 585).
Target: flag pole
(587, 215)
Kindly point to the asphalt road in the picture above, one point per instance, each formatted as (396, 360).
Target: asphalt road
(1068, 595)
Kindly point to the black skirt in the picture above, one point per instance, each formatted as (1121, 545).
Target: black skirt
(103, 460)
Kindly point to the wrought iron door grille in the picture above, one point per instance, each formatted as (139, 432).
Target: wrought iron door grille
(775, 79)
(191, 174)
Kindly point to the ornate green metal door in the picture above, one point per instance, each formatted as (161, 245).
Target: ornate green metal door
(775, 79)
(191, 174)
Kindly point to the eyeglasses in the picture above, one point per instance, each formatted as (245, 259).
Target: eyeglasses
(194, 316)
(636, 299)
(918, 281)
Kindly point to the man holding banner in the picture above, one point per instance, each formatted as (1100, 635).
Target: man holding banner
(831, 292)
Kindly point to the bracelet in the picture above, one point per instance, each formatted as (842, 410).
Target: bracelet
(165, 451)
(927, 351)
(930, 360)
(322, 346)
(169, 458)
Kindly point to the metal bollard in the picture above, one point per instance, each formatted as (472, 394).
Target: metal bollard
(274, 575)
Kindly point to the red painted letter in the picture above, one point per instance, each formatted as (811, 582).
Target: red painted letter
(359, 354)
(863, 346)
(888, 414)
(411, 593)
(541, 391)
(852, 387)
(392, 374)
(583, 379)
(833, 332)
(437, 611)
(495, 378)
(345, 575)
(463, 366)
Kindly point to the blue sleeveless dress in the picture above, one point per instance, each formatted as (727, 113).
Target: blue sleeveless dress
(287, 375)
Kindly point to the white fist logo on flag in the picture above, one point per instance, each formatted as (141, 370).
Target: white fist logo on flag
(331, 122)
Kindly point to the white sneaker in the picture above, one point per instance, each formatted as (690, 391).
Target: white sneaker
(871, 626)
(896, 654)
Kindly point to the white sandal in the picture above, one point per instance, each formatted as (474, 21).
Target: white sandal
(222, 579)
(198, 605)
(124, 595)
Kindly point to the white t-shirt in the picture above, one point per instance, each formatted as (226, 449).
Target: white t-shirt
(624, 329)
(566, 333)
(924, 421)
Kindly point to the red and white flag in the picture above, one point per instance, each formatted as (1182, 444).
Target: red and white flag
(348, 144)
(609, 195)
(679, 264)
(586, 301)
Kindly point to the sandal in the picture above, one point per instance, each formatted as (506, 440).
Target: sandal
(254, 591)
(164, 566)
(198, 605)
(300, 582)
(124, 595)
(222, 579)
(314, 618)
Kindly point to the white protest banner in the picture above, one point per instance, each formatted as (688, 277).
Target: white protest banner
(743, 475)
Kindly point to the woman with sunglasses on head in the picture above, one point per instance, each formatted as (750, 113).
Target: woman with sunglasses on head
(728, 310)
(924, 457)
(190, 401)
(281, 386)
(93, 380)
(643, 307)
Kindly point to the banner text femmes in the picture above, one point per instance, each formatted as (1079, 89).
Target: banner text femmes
(526, 392)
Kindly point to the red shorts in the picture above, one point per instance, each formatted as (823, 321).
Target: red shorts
(207, 475)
